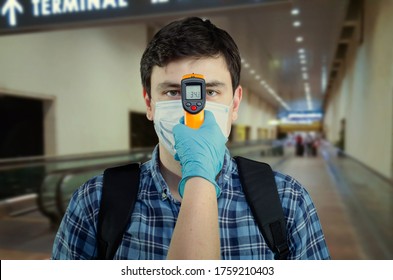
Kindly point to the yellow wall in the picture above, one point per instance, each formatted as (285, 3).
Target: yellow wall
(314, 126)
(239, 133)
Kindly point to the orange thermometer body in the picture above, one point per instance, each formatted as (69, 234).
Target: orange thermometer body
(193, 95)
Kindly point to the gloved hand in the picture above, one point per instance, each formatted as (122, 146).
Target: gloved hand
(200, 151)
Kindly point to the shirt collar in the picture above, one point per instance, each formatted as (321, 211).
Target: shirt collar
(158, 180)
(228, 168)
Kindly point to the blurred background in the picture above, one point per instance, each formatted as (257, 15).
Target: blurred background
(317, 104)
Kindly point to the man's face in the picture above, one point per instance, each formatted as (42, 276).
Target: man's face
(165, 83)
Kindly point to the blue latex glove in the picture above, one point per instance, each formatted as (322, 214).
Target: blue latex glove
(200, 151)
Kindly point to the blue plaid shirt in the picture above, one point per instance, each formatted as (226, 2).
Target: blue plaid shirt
(154, 217)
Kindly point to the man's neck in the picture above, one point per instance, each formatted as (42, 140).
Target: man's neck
(170, 171)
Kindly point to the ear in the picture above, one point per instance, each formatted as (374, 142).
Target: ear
(149, 110)
(237, 98)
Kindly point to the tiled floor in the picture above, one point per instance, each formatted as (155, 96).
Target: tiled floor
(349, 234)
(342, 240)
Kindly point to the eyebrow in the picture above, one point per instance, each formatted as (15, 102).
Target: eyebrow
(215, 84)
(166, 85)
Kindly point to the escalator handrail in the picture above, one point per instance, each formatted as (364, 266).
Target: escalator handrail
(19, 163)
(58, 196)
(60, 192)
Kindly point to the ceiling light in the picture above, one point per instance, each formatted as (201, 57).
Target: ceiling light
(299, 39)
(252, 71)
(324, 76)
(295, 12)
(159, 1)
(301, 50)
(305, 115)
(246, 65)
(296, 23)
(304, 69)
(302, 56)
(303, 61)
(257, 77)
(305, 76)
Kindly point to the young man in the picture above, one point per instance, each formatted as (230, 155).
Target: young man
(190, 203)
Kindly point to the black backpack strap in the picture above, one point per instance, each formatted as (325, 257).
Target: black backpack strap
(257, 179)
(119, 193)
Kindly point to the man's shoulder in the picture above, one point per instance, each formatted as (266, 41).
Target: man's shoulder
(89, 194)
(290, 188)
(293, 195)
(286, 182)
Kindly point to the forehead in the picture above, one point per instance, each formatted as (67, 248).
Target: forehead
(212, 68)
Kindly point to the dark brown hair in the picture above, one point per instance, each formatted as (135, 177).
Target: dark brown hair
(190, 37)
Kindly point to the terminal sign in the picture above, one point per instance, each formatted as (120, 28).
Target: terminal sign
(56, 7)
(37, 15)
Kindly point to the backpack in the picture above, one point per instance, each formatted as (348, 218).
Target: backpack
(120, 189)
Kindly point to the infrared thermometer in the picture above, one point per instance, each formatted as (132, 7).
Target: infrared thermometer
(193, 96)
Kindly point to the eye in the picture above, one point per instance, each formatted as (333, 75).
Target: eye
(172, 93)
(211, 93)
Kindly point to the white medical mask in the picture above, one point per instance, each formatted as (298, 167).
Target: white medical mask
(168, 113)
